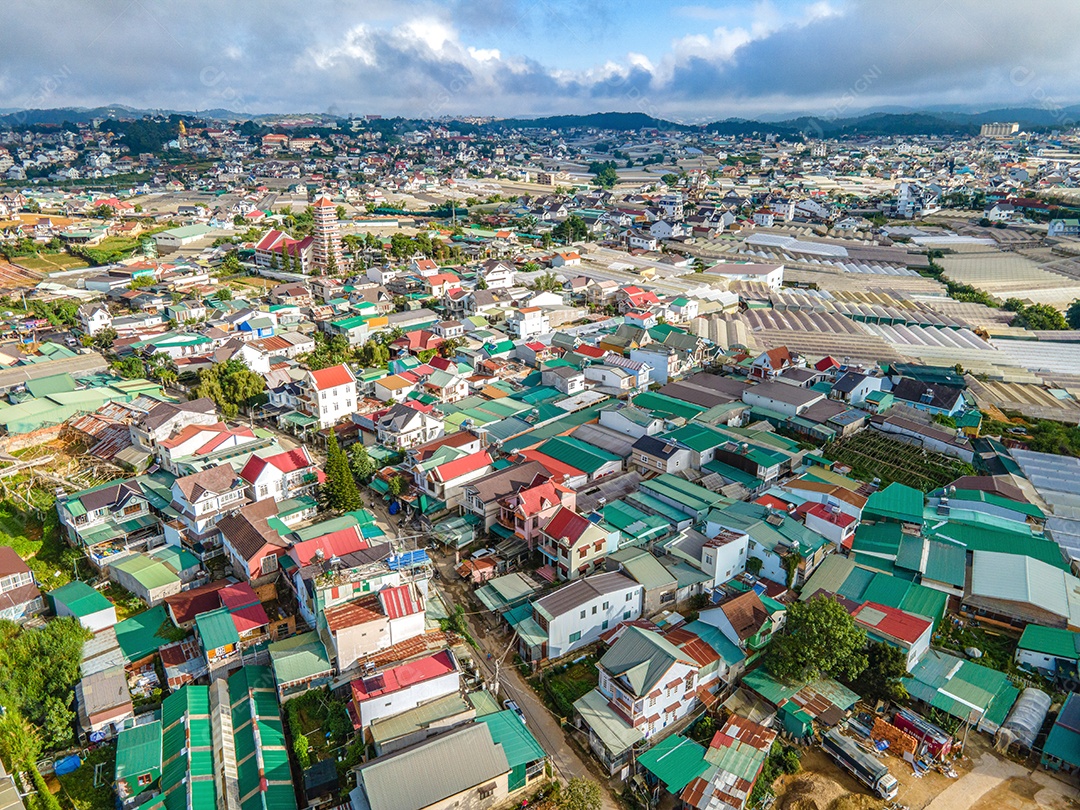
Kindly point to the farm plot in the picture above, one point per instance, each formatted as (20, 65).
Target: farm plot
(872, 455)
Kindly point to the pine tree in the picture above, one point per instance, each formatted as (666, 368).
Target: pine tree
(286, 263)
(331, 264)
(340, 490)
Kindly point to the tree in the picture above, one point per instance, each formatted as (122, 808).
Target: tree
(223, 294)
(103, 339)
(231, 385)
(547, 282)
(1013, 305)
(363, 468)
(1040, 316)
(41, 667)
(885, 666)
(397, 486)
(339, 491)
(1072, 315)
(230, 264)
(331, 265)
(581, 794)
(571, 229)
(819, 638)
(130, 368)
(340, 212)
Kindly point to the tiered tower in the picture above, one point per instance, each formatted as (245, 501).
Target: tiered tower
(327, 237)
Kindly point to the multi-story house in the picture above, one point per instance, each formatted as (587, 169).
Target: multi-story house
(404, 426)
(92, 318)
(526, 511)
(573, 545)
(198, 446)
(202, 499)
(576, 614)
(364, 626)
(527, 323)
(404, 687)
(167, 418)
(329, 395)
(445, 482)
(649, 681)
(747, 621)
(20, 598)
(113, 519)
(483, 496)
(290, 474)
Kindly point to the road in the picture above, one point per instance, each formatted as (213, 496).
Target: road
(493, 638)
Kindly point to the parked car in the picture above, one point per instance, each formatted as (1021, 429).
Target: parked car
(512, 706)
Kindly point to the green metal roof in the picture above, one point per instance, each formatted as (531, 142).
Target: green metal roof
(641, 657)
(180, 559)
(1054, 641)
(667, 406)
(676, 761)
(299, 657)
(946, 562)
(138, 752)
(518, 743)
(895, 502)
(216, 629)
(577, 454)
(80, 599)
(644, 568)
(878, 538)
(1063, 741)
(138, 636)
(147, 572)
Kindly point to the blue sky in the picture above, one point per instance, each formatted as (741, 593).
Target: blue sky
(426, 58)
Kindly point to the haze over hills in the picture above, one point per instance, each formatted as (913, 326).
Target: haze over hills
(871, 123)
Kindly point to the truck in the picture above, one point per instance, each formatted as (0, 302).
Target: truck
(933, 740)
(866, 768)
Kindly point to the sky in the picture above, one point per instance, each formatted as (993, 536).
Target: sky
(687, 62)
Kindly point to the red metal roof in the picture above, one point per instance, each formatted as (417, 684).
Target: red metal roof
(335, 544)
(895, 623)
(403, 676)
(332, 377)
(462, 466)
(400, 601)
(566, 523)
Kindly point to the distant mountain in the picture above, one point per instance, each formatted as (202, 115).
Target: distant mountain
(604, 120)
(893, 121)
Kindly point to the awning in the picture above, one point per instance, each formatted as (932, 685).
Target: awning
(615, 733)
(299, 419)
(499, 530)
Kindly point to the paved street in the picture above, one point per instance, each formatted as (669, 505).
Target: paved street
(495, 640)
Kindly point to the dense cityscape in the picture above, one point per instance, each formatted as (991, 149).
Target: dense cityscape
(365, 462)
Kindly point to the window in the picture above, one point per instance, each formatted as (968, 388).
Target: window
(325, 410)
(604, 624)
(583, 614)
(263, 490)
(607, 605)
(627, 614)
(629, 596)
(145, 779)
(487, 791)
(594, 610)
(269, 563)
(324, 395)
(575, 637)
(689, 681)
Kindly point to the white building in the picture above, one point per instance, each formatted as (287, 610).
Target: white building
(771, 275)
(527, 323)
(577, 614)
(404, 687)
(92, 318)
(329, 394)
